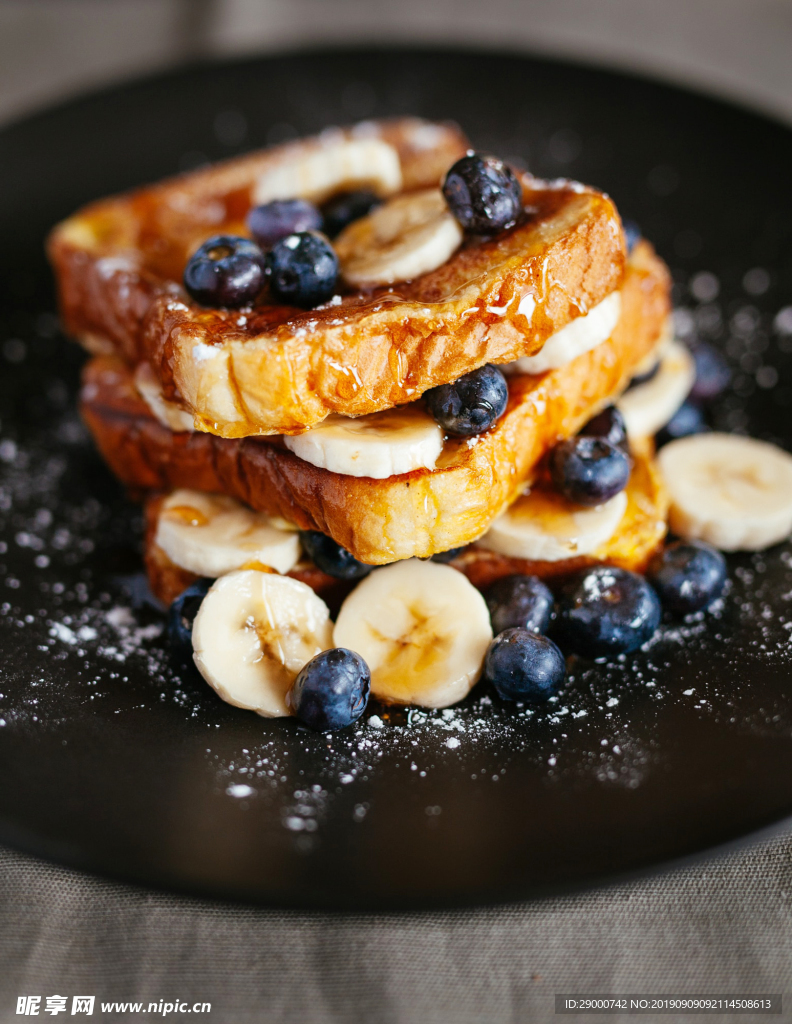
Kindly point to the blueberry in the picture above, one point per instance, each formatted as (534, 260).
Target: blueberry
(688, 419)
(589, 470)
(688, 575)
(606, 611)
(644, 378)
(181, 615)
(632, 234)
(331, 558)
(225, 271)
(712, 372)
(447, 556)
(471, 404)
(608, 425)
(346, 207)
(303, 269)
(483, 194)
(331, 691)
(273, 221)
(519, 600)
(524, 666)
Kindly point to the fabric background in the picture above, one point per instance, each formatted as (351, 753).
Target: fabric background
(721, 926)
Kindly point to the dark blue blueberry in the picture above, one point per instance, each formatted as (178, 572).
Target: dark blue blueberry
(524, 666)
(226, 271)
(331, 558)
(483, 194)
(610, 426)
(632, 234)
(273, 221)
(606, 611)
(346, 207)
(181, 616)
(589, 470)
(688, 576)
(644, 378)
(688, 419)
(303, 269)
(447, 556)
(712, 372)
(519, 600)
(331, 691)
(471, 404)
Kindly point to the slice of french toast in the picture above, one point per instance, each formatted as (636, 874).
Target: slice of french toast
(417, 514)
(640, 534)
(278, 370)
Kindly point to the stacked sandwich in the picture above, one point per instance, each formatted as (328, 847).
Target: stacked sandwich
(373, 373)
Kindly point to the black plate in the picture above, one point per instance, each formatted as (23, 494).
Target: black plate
(112, 762)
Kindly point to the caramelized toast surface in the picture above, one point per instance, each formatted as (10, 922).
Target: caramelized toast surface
(420, 513)
(276, 369)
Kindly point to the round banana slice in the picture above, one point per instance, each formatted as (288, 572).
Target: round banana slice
(379, 445)
(253, 633)
(733, 492)
(318, 169)
(168, 413)
(543, 526)
(648, 407)
(579, 336)
(422, 629)
(408, 236)
(211, 534)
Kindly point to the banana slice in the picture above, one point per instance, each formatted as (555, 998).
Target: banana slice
(422, 629)
(379, 445)
(212, 534)
(543, 526)
(579, 336)
(317, 170)
(168, 413)
(648, 407)
(253, 633)
(408, 236)
(732, 491)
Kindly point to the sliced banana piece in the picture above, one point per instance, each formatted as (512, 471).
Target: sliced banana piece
(318, 169)
(253, 633)
(648, 407)
(422, 629)
(212, 534)
(733, 492)
(579, 336)
(408, 236)
(379, 445)
(168, 413)
(543, 526)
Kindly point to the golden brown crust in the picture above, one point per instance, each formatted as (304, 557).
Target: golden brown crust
(417, 514)
(281, 370)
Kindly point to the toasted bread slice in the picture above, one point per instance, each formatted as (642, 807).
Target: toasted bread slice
(419, 513)
(640, 534)
(276, 369)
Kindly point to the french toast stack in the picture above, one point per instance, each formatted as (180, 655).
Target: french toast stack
(316, 430)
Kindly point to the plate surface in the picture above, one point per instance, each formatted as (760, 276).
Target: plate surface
(112, 762)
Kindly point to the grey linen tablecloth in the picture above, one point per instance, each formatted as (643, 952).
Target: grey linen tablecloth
(724, 925)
